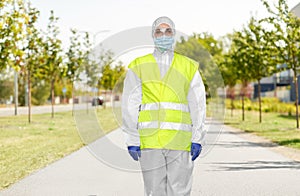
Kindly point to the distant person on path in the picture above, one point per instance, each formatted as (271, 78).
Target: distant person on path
(163, 111)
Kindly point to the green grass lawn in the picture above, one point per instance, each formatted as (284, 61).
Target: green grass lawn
(25, 148)
(279, 128)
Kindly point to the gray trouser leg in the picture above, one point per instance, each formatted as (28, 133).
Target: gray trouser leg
(179, 172)
(154, 172)
(166, 172)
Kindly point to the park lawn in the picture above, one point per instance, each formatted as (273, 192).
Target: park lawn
(279, 128)
(109, 118)
(25, 148)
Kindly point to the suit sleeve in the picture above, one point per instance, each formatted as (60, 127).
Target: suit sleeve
(131, 101)
(197, 105)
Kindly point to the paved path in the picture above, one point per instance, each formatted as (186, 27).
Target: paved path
(234, 166)
(23, 110)
(10, 111)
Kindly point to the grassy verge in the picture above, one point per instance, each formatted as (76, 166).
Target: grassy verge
(279, 128)
(25, 148)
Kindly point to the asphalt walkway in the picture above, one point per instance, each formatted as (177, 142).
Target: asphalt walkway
(23, 110)
(235, 165)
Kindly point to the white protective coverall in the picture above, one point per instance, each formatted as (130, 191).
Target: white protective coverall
(165, 172)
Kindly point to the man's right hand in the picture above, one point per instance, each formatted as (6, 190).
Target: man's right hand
(195, 150)
(135, 152)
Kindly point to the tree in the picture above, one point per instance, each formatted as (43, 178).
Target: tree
(204, 49)
(110, 73)
(6, 20)
(259, 54)
(107, 78)
(52, 68)
(239, 59)
(40, 90)
(286, 39)
(12, 36)
(228, 70)
(106, 71)
(91, 67)
(119, 77)
(33, 51)
(110, 76)
(75, 59)
(6, 86)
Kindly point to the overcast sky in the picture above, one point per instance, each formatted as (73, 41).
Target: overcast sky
(216, 16)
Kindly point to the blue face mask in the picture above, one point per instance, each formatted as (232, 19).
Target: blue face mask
(164, 43)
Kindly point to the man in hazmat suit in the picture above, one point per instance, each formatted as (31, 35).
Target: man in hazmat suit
(163, 111)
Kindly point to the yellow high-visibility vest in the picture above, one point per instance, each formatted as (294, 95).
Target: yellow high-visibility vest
(164, 119)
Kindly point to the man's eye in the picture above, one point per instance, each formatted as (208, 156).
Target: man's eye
(169, 30)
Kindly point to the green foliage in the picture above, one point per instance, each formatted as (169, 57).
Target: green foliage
(110, 76)
(110, 71)
(40, 92)
(76, 56)
(58, 87)
(6, 90)
(286, 28)
(92, 67)
(52, 69)
(270, 100)
(12, 19)
(227, 64)
(200, 48)
(268, 105)
(34, 49)
(259, 52)
(119, 77)
(53, 51)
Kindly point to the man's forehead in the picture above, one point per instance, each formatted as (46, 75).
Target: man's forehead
(163, 25)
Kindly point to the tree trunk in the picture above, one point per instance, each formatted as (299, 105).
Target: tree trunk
(243, 107)
(87, 98)
(52, 98)
(16, 92)
(104, 102)
(297, 97)
(259, 100)
(244, 85)
(112, 98)
(72, 98)
(29, 96)
(231, 91)
(275, 86)
(231, 106)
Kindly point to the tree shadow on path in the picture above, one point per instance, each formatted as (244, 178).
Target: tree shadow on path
(254, 165)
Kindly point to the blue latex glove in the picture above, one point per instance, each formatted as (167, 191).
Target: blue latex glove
(135, 152)
(195, 150)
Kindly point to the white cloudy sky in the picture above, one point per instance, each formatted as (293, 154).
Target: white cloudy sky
(216, 16)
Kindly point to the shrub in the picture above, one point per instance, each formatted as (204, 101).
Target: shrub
(270, 100)
(268, 105)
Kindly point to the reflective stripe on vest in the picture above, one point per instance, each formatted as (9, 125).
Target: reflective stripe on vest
(165, 116)
(165, 105)
(165, 125)
(164, 119)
